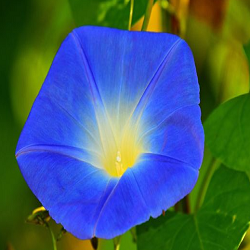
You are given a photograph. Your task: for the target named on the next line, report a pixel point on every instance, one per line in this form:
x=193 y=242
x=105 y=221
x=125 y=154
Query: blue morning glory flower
x=115 y=135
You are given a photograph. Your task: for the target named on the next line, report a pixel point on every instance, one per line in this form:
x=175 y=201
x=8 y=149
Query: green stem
x=131 y=14
x=147 y=15
x=117 y=242
x=133 y=233
x=213 y=164
x=53 y=238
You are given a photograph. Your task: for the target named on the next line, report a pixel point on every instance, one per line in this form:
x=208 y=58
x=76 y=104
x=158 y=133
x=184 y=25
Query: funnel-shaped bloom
x=114 y=135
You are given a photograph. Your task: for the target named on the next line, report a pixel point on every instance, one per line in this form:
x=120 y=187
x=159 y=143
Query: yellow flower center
x=118 y=136
x=122 y=155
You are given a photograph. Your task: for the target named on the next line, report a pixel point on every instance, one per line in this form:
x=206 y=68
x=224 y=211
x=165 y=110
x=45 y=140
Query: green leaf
x=227 y=132
x=220 y=223
x=110 y=13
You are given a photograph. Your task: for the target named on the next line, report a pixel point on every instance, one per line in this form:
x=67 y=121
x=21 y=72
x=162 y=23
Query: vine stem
x=133 y=233
x=131 y=14
x=213 y=164
x=53 y=238
x=147 y=15
x=117 y=242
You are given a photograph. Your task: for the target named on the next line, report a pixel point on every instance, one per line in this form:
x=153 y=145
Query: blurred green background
x=218 y=32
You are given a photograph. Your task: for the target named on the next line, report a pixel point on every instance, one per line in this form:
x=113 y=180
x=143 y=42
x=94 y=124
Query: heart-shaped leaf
x=220 y=223
x=227 y=133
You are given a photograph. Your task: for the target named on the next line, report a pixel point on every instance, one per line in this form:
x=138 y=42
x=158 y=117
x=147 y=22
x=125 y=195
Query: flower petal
x=175 y=86
x=154 y=184
x=123 y=64
x=64 y=110
x=172 y=180
x=179 y=136
x=71 y=190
